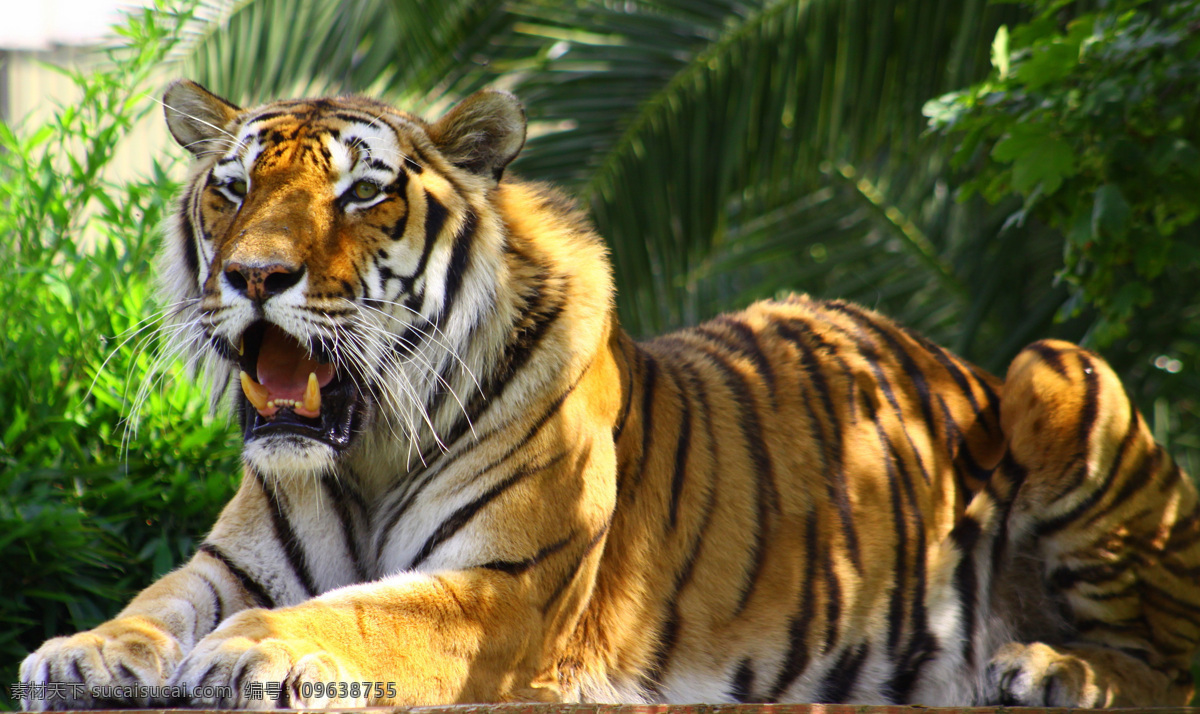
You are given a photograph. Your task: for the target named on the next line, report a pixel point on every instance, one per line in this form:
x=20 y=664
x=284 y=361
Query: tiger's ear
x=483 y=133
x=196 y=117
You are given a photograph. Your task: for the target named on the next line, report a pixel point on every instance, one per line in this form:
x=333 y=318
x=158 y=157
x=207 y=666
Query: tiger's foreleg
x=239 y=566
x=141 y=647
x=1115 y=528
x=453 y=636
x=510 y=557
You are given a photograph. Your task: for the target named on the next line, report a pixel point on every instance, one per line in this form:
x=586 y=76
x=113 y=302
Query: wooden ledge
x=689 y=709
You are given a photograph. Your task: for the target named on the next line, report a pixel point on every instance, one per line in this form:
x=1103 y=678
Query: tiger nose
x=262 y=282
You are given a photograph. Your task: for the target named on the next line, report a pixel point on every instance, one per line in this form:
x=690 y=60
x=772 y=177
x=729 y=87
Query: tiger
x=464 y=482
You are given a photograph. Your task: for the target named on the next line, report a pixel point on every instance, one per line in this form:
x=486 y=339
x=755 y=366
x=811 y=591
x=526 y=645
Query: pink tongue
x=284 y=366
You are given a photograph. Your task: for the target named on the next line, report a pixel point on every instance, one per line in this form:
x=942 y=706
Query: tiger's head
x=339 y=258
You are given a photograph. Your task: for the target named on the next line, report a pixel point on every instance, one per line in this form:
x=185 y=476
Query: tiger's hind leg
x=1107 y=527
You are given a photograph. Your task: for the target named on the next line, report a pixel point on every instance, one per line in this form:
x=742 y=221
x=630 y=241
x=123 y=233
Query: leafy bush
x=1092 y=117
x=92 y=509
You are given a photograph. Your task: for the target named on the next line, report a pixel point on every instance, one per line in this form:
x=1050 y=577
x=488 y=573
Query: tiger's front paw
x=119 y=663
x=1038 y=675
x=254 y=661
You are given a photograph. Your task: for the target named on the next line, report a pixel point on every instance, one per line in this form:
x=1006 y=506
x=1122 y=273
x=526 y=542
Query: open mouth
x=288 y=388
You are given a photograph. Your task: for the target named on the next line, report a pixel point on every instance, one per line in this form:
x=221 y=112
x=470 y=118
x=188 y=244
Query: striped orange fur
x=464 y=483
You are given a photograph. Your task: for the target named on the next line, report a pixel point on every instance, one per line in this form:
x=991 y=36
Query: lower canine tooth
x=312 y=393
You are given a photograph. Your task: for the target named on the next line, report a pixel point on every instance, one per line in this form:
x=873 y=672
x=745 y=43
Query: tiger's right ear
x=196 y=117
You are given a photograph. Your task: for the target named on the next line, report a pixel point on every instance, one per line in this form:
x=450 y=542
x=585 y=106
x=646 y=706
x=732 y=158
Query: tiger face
x=328 y=254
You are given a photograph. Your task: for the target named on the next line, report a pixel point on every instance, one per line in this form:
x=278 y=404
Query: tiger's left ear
x=196 y=117
x=483 y=133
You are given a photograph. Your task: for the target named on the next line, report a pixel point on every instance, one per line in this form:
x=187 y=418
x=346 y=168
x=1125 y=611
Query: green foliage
x=1093 y=119
x=91 y=509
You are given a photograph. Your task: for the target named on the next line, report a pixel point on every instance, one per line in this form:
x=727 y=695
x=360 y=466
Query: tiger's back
x=795 y=470
x=464 y=481
x=833 y=509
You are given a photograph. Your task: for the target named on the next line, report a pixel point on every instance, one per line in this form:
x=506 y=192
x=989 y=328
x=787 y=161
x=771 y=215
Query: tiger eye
x=238 y=187
x=365 y=190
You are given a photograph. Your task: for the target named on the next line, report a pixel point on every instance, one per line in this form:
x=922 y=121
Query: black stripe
x=699 y=389
x=960 y=452
x=397 y=231
x=668 y=636
x=1015 y=474
x=900 y=584
x=1051 y=356
x=741 y=340
x=416 y=483
x=795 y=661
x=670 y=629
x=518 y=352
x=1149 y=464
x=218 y=605
x=743 y=682
x=574 y=572
x=835 y=482
x=363 y=118
x=435 y=220
x=341 y=496
x=840 y=681
x=948 y=363
x=922 y=645
x=378 y=165
x=464 y=514
x=415 y=486
x=458 y=263
x=191 y=251
x=916 y=376
x=626 y=395
x=517 y=567
x=1055 y=524
x=1173 y=604
x=538 y=316
x=649 y=382
x=1065 y=577
x=269 y=114
x=399 y=187
x=833 y=602
x=1091 y=400
x=252 y=587
x=414 y=334
x=682 y=447
x=767 y=494
x=966 y=535
x=286 y=536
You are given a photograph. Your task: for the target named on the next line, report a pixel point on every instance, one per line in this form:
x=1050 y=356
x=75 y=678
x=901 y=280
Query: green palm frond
x=410 y=50
x=676 y=129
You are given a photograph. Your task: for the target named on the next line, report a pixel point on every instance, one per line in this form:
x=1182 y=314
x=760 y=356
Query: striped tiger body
x=464 y=482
